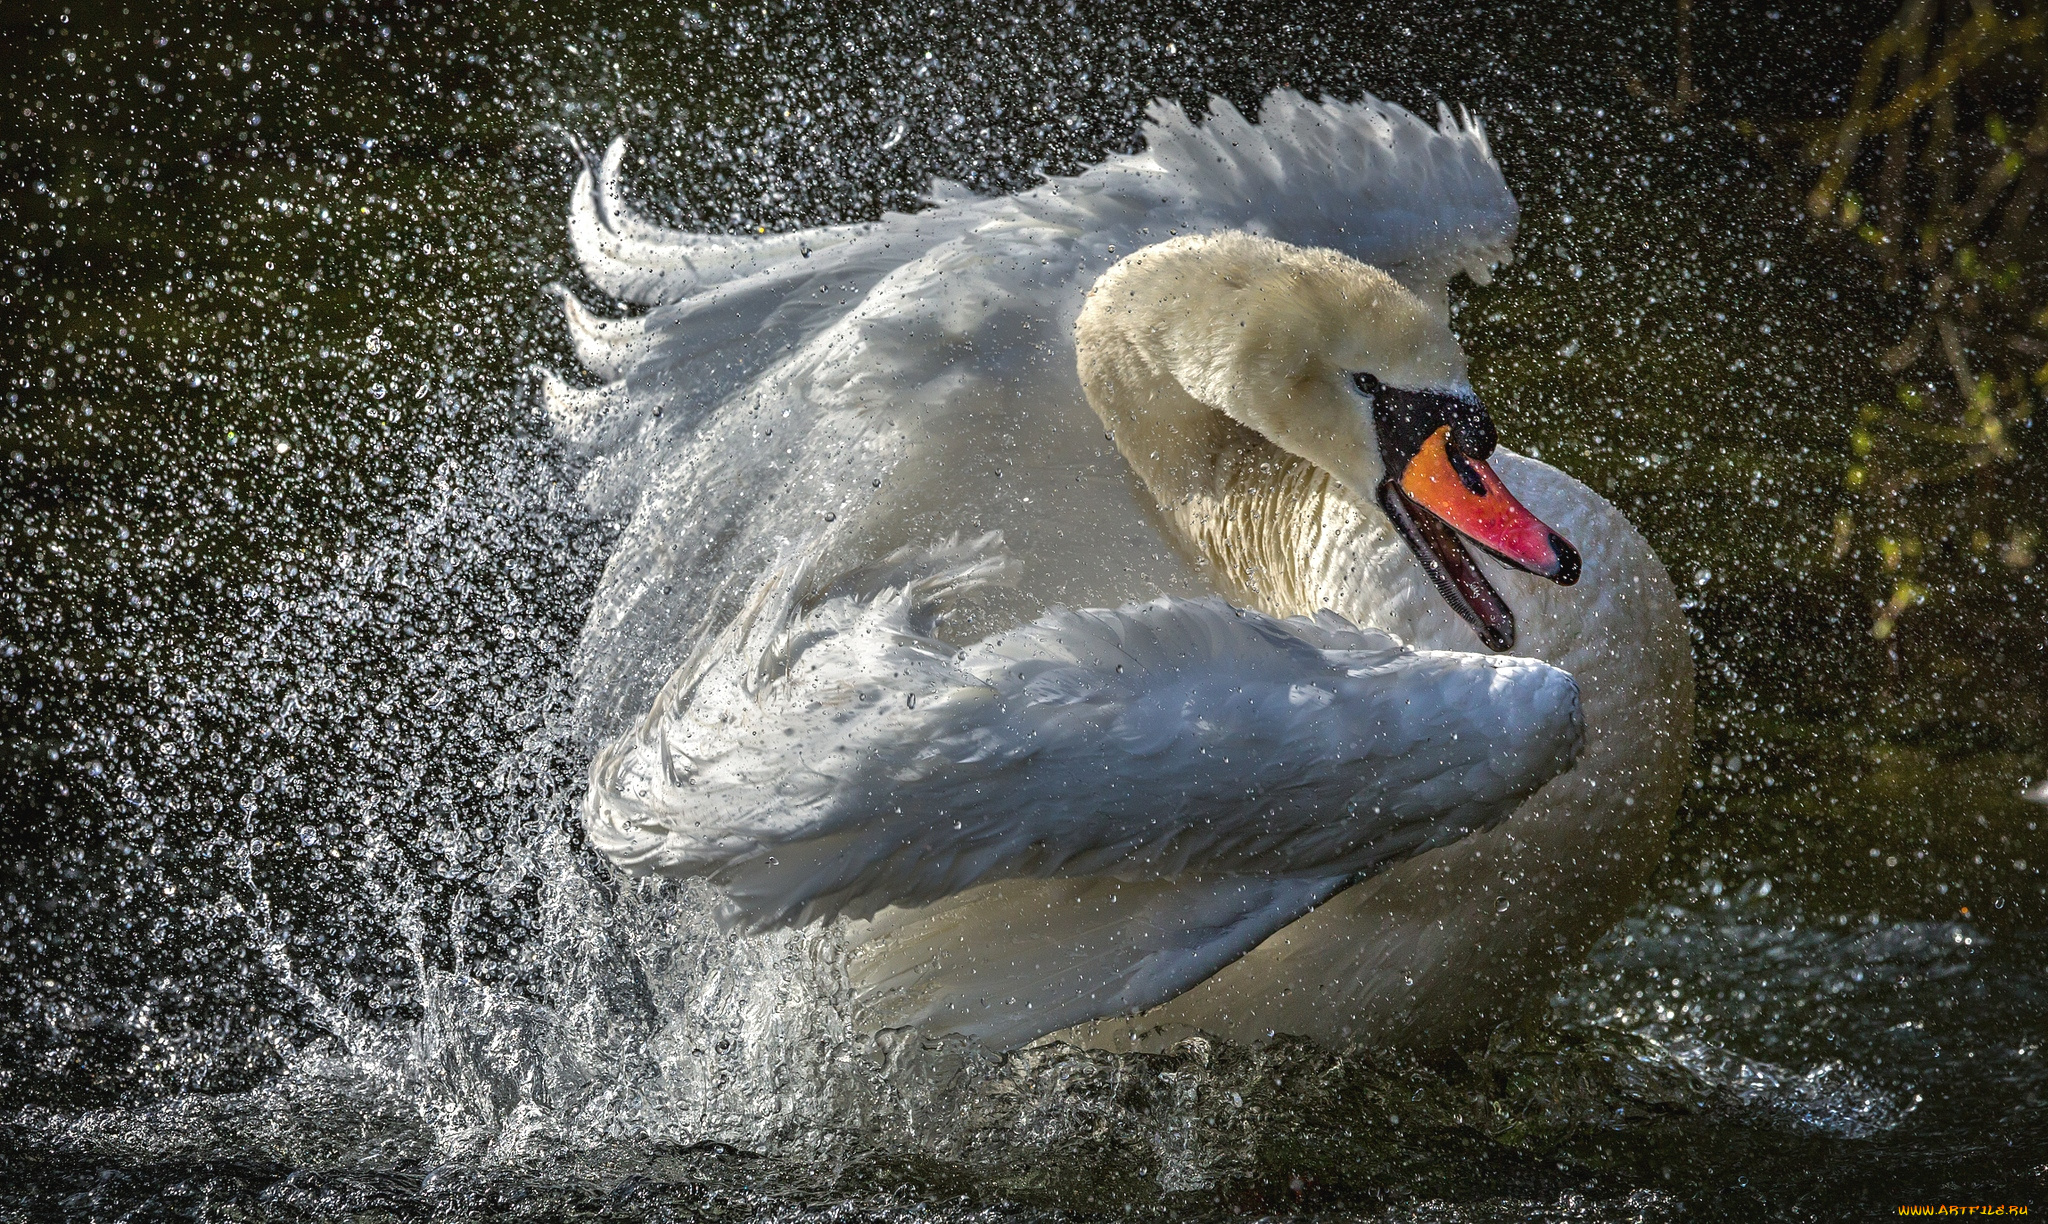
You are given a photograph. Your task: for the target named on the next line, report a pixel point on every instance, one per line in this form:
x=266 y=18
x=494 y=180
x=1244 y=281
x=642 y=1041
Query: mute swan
x=1064 y=594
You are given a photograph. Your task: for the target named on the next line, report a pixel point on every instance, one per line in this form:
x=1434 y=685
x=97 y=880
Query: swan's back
x=859 y=389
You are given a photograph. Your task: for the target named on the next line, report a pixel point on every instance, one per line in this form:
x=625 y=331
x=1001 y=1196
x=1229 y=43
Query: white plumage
x=1026 y=817
x=843 y=760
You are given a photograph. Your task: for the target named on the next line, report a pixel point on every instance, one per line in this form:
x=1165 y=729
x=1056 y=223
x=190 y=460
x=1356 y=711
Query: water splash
x=300 y=923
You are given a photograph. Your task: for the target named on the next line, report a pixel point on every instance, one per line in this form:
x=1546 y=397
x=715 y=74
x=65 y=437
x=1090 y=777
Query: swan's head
x=1329 y=359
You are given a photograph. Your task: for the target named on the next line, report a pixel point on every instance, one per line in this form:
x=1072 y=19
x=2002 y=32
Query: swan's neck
x=1254 y=518
x=1262 y=527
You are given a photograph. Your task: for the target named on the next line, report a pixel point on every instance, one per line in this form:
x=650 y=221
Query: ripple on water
x=1702 y=984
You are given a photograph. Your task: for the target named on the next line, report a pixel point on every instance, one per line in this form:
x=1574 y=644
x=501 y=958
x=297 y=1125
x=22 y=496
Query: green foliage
x=1934 y=174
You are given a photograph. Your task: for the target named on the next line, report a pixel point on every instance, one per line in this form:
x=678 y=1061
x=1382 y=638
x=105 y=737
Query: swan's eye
x=1405 y=418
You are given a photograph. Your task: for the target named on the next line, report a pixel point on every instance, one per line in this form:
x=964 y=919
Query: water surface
x=296 y=916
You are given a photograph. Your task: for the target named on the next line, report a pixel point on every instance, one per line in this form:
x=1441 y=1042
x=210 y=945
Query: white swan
x=865 y=471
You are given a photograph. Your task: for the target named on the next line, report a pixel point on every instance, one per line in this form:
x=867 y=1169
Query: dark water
x=295 y=919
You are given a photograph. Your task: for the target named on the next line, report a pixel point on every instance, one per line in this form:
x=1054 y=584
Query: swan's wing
x=727 y=309
x=784 y=374
x=637 y=261
x=766 y=412
x=1423 y=201
x=1159 y=787
x=1369 y=178
x=1013 y=961
x=844 y=760
x=669 y=365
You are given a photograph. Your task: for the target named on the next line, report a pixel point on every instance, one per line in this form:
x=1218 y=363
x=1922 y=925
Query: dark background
x=292 y=566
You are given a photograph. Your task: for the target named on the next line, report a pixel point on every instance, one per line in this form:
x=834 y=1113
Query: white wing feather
x=1009 y=964
x=636 y=261
x=844 y=760
x=1201 y=775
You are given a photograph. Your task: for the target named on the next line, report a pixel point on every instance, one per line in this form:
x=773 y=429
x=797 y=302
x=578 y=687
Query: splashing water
x=298 y=917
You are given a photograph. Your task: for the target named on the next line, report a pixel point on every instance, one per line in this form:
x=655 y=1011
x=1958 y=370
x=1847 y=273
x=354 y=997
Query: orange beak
x=1468 y=497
